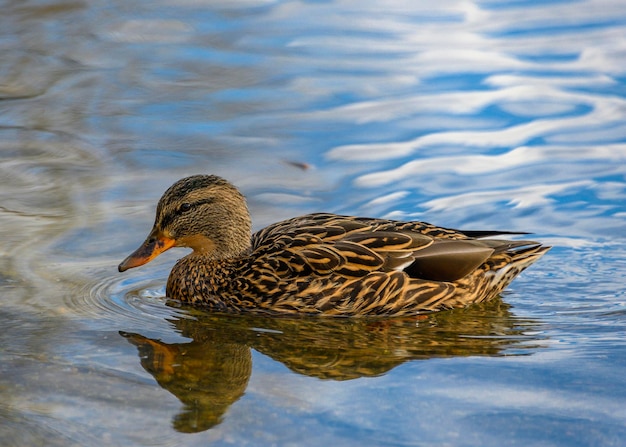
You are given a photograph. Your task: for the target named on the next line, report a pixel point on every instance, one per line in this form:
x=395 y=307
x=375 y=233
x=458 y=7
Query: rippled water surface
x=477 y=115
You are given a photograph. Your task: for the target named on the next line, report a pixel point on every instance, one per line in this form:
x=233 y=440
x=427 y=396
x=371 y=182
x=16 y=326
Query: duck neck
x=226 y=242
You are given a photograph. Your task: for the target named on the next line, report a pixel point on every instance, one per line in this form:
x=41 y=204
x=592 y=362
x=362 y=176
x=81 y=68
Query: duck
x=321 y=264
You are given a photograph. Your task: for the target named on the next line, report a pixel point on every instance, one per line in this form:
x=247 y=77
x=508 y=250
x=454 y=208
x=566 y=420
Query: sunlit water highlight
x=476 y=115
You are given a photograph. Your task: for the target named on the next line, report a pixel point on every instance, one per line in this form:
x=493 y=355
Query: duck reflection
x=207 y=375
x=211 y=372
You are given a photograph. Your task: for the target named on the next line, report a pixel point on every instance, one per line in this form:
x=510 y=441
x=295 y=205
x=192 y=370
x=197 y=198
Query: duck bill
x=154 y=245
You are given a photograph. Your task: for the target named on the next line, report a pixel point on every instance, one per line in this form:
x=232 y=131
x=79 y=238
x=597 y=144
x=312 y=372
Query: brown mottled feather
x=326 y=264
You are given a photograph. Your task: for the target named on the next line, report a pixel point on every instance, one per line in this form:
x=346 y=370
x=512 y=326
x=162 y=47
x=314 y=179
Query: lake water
x=476 y=115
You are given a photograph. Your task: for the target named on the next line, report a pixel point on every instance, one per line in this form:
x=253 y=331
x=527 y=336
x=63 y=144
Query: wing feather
x=324 y=244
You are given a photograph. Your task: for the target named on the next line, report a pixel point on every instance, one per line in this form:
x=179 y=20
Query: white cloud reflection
x=558 y=156
x=464 y=103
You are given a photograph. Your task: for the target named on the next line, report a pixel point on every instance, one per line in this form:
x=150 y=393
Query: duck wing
x=324 y=244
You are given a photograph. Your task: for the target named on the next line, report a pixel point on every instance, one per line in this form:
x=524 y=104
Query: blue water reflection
x=483 y=114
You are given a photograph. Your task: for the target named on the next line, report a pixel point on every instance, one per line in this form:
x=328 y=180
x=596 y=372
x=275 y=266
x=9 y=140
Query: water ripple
x=126 y=300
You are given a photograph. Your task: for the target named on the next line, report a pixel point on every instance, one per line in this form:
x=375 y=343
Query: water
x=465 y=114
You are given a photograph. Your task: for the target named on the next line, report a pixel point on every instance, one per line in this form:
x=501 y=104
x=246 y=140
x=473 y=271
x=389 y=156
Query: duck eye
x=184 y=207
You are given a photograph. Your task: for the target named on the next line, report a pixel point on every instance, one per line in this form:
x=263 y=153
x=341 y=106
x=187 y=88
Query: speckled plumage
x=322 y=264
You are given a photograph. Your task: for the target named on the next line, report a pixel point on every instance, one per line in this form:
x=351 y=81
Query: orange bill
x=156 y=244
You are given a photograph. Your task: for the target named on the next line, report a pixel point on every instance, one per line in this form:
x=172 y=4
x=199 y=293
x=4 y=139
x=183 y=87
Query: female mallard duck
x=321 y=264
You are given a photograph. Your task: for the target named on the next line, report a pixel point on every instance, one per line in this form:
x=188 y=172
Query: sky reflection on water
x=466 y=114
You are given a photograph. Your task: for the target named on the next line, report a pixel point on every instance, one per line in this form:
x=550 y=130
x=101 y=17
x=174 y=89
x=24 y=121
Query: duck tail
x=508 y=260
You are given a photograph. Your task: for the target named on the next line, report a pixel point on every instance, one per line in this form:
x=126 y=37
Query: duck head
x=203 y=212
